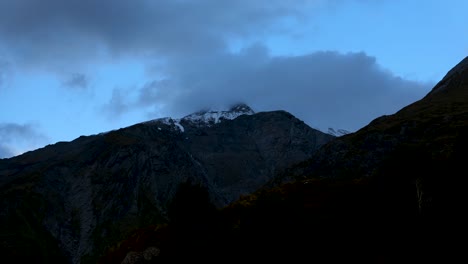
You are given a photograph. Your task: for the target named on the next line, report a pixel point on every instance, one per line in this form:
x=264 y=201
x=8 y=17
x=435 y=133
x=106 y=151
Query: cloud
x=17 y=138
x=117 y=105
x=76 y=81
x=52 y=33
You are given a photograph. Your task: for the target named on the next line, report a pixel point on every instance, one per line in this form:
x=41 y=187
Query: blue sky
x=71 y=68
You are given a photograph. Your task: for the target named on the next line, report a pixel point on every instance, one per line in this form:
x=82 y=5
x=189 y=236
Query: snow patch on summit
x=337 y=132
x=211 y=117
x=206 y=117
x=179 y=126
x=172 y=122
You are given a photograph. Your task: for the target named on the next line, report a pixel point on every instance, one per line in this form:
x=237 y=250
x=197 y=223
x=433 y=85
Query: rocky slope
x=84 y=195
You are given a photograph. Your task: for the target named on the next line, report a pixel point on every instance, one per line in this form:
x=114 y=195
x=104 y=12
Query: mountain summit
x=205 y=117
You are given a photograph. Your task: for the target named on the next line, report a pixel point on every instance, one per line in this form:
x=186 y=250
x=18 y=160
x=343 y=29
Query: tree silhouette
x=193 y=220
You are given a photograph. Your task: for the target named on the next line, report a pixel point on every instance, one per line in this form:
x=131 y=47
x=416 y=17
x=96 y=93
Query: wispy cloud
x=76 y=81
x=117 y=105
x=17 y=138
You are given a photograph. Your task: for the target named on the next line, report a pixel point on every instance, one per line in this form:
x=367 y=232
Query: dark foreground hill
x=392 y=192
x=71 y=200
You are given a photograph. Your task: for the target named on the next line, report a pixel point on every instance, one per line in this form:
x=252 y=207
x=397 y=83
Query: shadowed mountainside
x=85 y=195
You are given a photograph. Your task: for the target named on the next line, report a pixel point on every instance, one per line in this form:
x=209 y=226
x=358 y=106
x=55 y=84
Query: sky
x=81 y=67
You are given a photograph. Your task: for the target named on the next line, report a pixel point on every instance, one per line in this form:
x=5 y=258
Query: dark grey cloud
x=56 y=32
x=118 y=104
x=17 y=138
x=76 y=81
x=325 y=89
x=159 y=93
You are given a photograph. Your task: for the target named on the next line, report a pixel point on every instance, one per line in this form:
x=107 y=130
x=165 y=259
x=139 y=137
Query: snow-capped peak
x=205 y=117
x=337 y=132
x=210 y=117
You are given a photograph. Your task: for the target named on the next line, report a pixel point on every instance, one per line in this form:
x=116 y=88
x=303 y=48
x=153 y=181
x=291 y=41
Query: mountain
x=257 y=184
x=71 y=200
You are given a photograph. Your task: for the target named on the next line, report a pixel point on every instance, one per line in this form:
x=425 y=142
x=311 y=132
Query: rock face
x=83 y=195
